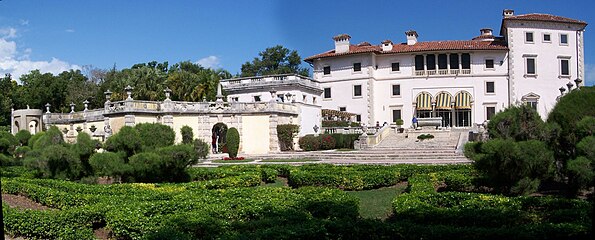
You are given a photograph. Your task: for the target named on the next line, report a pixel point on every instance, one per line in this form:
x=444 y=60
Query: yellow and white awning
x=463 y=100
x=424 y=101
x=443 y=100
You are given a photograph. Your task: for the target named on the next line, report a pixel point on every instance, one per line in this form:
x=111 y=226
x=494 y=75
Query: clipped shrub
x=23 y=137
x=309 y=143
x=84 y=148
x=580 y=174
x=174 y=161
x=7 y=143
x=34 y=138
x=471 y=149
x=127 y=140
x=327 y=142
x=109 y=164
x=425 y=136
x=52 y=136
x=517 y=122
x=525 y=186
x=233 y=142
x=155 y=135
x=285 y=134
x=586 y=147
x=21 y=151
x=187 y=135
x=146 y=166
x=201 y=148
x=57 y=161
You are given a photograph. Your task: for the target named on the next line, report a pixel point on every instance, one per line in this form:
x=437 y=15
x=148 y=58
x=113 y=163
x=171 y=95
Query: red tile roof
x=544 y=17
x=418 y=47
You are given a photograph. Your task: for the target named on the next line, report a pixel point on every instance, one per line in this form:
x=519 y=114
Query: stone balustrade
x=240 y=83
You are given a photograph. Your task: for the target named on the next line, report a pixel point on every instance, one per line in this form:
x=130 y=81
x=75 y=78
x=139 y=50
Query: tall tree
x=274 y=60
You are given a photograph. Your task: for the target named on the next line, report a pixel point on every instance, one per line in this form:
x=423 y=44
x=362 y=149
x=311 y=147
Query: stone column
x=273 y=140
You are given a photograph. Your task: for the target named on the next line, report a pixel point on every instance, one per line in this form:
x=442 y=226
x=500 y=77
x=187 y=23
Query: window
x=564 y=69
x=442 y=62
x=466 y=61
x=357 y=67
x=564 y=39
x=419 y=62
x=490 y=88
x=396 y=90
x=454 y=61
x=529 y=37
x=257 y=98
x=532 y=104
x=531 y=66
x=396 y=114
x=490 y=112
x=547 y=37
x=430 y=62
x=357 y=90
x=327 y=70
x=327 y=92
x=489 y=63
x=358 y=118
x=342 y=109
x=395 y=67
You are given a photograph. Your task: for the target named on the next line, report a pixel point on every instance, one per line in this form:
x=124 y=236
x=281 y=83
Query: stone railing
x=342 y=130
x=370 y=139
x=88 y=116
x=235 y=83
x=441 y=72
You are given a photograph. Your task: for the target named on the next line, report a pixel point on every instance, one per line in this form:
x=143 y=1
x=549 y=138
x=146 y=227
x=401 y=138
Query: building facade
x=536 y=58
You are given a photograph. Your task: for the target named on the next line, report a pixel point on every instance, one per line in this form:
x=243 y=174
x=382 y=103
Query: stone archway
x=33 y=127
x=218 y=139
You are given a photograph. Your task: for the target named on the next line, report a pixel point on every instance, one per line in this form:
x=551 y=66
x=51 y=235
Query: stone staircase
x=396 y=148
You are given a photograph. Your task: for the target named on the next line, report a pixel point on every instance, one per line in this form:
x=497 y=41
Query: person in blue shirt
x=414 y=121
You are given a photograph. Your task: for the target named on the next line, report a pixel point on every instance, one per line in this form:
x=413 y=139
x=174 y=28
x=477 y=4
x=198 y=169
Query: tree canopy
x=274 y=60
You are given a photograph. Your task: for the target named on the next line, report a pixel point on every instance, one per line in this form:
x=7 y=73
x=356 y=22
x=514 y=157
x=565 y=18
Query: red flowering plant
x=235 y=158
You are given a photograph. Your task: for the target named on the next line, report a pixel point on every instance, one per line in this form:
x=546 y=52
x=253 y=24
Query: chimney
x=507 y=13
x=387 y=45
x=411 y=37
x=486 y=32
x=342 y=43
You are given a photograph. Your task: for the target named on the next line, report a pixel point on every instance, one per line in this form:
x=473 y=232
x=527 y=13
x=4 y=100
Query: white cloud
x=210 y=62
x=18 y=63
x=8 y=33
x=70 y=30
x=589 y=74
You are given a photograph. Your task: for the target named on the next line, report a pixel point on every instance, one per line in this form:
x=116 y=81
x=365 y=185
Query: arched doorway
x=17 y=127
x=463 y=109
x=218 y=138
x=423 y=105
x=444 y=108
x=33 y=127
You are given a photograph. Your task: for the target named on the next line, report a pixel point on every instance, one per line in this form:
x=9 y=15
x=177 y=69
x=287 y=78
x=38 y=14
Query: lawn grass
x=233 y=161
x=376 y=203
x=289 y=160
x=280 y=182
x=344 y=149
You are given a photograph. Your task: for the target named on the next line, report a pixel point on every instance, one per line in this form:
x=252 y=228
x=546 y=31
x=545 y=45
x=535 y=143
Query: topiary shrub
x=327 y=142
x=145 y=167
x=155 y=135
x=57 y=161
x=84 y=148
x=7 y=143
x=517 y=122
x=127 y=140
x=187 y=135
x=233 y=142
x=34 y=139
x=285 y=134
x=23 y=137
x=425 y=136
x=309 y=143
x=108 y=164
x=580 y=174
x=201 y=148
x=52 y=136
x=174 y=161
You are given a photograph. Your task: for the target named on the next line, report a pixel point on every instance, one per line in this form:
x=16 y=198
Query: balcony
x=271 y=80
x=441 y=72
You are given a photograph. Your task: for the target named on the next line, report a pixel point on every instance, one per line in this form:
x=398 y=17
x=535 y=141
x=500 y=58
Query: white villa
x=537 y=58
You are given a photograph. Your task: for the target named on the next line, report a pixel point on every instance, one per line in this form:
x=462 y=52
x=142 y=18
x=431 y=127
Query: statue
x=107 y=130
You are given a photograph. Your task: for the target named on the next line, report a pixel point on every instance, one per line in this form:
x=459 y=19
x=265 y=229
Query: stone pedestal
x=273 y=140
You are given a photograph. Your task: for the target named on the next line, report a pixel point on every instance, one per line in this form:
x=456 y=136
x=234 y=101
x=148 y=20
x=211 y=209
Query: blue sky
x=58 y=35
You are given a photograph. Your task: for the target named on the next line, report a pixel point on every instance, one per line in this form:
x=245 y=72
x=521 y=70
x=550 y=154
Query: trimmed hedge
x=233 y=142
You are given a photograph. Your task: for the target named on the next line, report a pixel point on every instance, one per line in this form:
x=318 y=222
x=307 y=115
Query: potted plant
x=399 y=123
x=79 y=129
x=93 y=128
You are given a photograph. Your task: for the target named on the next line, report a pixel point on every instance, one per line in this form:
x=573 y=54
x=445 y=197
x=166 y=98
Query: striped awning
x=424 y=101
x=463 y=100
x=443 y=100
